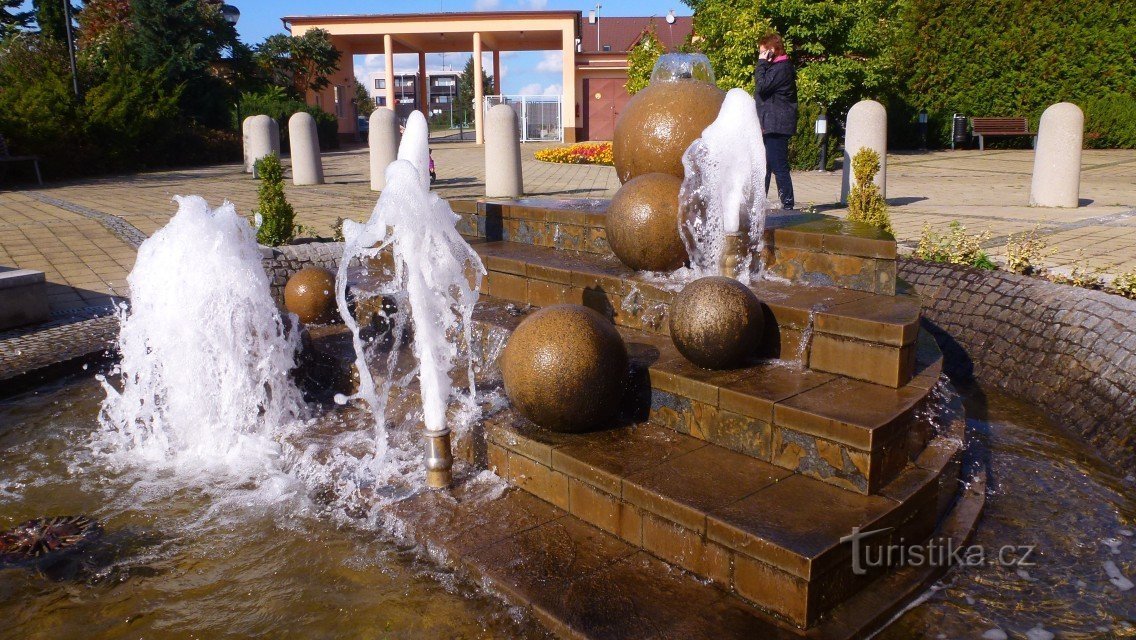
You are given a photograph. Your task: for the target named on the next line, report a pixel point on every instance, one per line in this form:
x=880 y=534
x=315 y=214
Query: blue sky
x=524 y=72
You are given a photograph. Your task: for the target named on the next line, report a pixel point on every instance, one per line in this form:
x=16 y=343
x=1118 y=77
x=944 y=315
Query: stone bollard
x=383 y=143
x=307 y=167
x=1057 y=157
x=503 y=153
x=867 y=127
x=262 y=137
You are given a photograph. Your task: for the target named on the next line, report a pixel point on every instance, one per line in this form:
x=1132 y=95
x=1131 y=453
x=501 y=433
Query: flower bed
x=578 y=153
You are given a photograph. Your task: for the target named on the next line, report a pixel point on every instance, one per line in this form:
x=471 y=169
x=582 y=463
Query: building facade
x=440 y=95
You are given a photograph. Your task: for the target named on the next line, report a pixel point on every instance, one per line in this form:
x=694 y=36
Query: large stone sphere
x=716 y=322
x=642 y=223
x=565 y=368
x=310 y=294
x=659 y=123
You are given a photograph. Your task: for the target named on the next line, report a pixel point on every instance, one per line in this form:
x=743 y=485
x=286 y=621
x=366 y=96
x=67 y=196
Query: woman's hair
x=772 y=41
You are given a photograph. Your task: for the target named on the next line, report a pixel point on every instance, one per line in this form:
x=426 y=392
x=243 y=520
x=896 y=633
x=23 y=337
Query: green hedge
x=274 y=103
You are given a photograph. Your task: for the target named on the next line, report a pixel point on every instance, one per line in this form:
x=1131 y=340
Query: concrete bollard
x=383 y=143
x=1057 y=157
x=307 y=167
x=262 y=137
x=867 y=127
x=503 y=153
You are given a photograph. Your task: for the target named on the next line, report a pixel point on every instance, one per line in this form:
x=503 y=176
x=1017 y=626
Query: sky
x=530 y=73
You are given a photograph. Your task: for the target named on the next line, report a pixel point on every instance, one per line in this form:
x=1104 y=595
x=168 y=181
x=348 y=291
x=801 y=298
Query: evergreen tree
x=51 y=20
x=464 y=109
x=11 y=18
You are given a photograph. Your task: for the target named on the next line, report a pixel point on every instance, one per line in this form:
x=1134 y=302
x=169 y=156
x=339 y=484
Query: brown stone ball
x=565 y=368
x=716 y=322
x=642 y=223
x=659 y=123
x=310 y=294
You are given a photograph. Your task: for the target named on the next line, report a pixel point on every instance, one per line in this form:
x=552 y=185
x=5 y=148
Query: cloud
x=486 y=5
x=535 y=5
x=551 y=62
x=537 y=89
x=408 y=63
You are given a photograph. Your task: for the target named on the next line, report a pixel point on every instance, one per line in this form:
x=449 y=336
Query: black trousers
x=777 y=164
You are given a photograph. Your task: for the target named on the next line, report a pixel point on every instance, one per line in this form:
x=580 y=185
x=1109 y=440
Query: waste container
x=959 y=134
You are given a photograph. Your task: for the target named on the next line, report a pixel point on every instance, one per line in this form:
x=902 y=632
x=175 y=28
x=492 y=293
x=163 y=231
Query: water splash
x=438 y=270
x=206 y=357
x=722 y=192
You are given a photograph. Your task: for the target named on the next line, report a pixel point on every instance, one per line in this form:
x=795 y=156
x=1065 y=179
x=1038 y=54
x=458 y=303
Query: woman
x=775 y=90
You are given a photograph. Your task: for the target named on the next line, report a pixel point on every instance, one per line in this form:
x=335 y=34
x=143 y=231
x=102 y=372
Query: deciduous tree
x=641 y=60
x=301 y=63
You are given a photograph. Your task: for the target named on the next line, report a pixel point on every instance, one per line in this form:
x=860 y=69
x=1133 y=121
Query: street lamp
x=922 y=129
x=822 y=139
x=230 y=13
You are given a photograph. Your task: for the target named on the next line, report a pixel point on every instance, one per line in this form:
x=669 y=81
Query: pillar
x=502 y=153
x=568 y=82
x=867 y=127
x=383 y=144
x=388 y=72
x=497 y=73
x=478 y=92
x=307 y=166
x=1057 y=157
x=423 y=86
x=262 y=138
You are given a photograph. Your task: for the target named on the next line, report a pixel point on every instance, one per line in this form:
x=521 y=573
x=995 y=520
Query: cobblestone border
x=121 y=229
x=61 y=340
x=1068 y=350
x=281 y=262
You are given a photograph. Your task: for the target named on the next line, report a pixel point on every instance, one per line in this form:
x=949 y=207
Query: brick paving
x=83 y=234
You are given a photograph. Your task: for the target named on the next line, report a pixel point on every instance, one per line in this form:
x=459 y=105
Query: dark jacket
x=775 y=90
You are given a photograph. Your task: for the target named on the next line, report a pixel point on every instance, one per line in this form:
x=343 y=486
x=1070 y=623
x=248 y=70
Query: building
x=441 y=92
x=593 y=50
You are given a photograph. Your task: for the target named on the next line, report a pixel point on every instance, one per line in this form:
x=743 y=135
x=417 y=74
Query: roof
x=443 y=15
x=622 y=33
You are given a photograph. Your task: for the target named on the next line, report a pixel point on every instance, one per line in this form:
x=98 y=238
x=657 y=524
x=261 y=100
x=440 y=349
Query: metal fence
x=539 y=116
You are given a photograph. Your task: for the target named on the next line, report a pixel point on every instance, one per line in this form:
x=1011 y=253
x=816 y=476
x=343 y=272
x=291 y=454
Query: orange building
x=593 y=53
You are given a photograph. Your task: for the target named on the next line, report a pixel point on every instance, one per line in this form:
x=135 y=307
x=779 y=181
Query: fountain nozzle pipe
x=439 y=459
x=734 y=247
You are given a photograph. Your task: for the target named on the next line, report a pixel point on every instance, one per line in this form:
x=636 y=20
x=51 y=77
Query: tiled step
x=770 y=535
x=801 y=247
x=851 y=434
x=870 y=337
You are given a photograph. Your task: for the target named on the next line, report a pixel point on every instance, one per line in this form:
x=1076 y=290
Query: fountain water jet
x=205 y=354
x=722 y=199
x=441 y=276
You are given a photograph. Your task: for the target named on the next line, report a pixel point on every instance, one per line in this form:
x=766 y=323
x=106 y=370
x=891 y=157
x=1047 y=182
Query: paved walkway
x=84 y=234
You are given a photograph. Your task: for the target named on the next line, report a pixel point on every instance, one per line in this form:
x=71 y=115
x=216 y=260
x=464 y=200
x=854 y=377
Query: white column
x=388 y=58
x=478 y=93
x=502 y=154
x=568 y=106
x=1057 y=158
x=307 y=166
x=867 y=127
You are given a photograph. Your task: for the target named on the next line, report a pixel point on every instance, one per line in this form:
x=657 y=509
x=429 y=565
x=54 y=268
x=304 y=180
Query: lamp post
x=70 y=45
x=922 y=129
x=822 y=139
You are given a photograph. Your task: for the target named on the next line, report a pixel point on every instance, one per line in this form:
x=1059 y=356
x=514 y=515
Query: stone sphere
x=659 y=123
x=310 y=294
x=716 y=322
x=565 y=368
x=642 y=223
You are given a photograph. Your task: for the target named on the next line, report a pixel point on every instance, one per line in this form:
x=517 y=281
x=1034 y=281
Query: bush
x=956 y=247
x=1110 y=121
x=278 y=105
x=804 y=148
x=1025 y=251
x=275 y=218
x=865 y=202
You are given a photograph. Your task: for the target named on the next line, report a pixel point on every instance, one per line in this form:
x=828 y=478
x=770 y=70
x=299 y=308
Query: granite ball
x=716 y=322
x=565 y=368
x=642 y=223
x=659 y=123
x=310 y=294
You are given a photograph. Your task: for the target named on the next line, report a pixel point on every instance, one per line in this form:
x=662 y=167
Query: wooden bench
x=5 y=156
x=983 y=127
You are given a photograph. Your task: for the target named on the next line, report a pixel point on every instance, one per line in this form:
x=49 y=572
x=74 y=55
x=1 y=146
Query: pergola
x=424 y=33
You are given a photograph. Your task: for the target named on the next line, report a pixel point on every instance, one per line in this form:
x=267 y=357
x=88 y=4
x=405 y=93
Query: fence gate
x=539 y=116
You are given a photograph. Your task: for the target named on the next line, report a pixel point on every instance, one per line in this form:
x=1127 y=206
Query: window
x=380 y=83
x=607 y=47
x=444 y=82
x=442 y=99
x=381 y=101
x=338 y=101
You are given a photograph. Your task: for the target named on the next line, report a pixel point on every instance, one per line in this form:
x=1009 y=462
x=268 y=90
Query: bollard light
x=822 y=139
x=922 y=129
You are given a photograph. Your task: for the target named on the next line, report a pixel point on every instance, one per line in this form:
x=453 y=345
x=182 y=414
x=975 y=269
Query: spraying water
x=723 y=192
x=438 y=270
x=205 y=355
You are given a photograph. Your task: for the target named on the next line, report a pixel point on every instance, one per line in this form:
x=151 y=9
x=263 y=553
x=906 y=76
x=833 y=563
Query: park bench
x=983 y=127
x=5 y=156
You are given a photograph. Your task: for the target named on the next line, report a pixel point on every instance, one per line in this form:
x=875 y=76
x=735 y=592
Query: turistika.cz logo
x=868 y=553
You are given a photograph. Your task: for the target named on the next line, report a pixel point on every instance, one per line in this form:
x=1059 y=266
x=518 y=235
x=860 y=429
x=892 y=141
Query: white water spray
x=205 y=356
x=438 y=270
x=723 y=191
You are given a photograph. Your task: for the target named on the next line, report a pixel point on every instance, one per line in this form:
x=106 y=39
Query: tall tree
x=301 y=63
x=641 y=60
x=727 y=31
x=464 y=109
x=363 y=102
x=51 y=19
x=11 y=18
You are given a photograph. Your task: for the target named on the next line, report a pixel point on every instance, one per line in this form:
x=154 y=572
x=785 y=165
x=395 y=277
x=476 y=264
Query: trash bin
x=959 y=134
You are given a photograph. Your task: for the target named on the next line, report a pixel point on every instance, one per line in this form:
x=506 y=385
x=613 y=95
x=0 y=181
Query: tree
x=727 y=31
x=51 y=20
x=641 y=60
x=464 y=109
x=11 y=18
x=364 y=105
x=301 y=63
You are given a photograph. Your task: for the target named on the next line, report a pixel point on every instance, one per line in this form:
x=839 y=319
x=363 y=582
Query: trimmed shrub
x=865 y=202
x=1110 y=121
x=275 y=218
